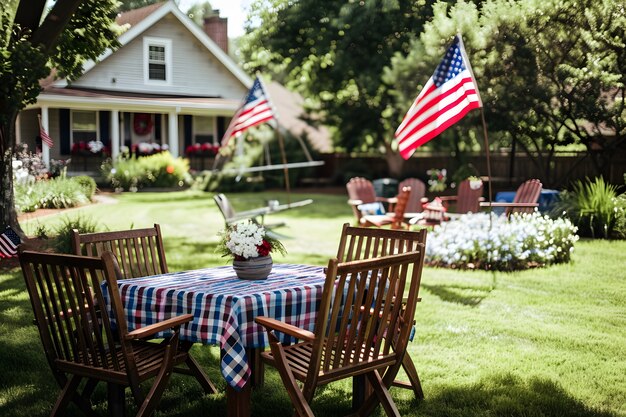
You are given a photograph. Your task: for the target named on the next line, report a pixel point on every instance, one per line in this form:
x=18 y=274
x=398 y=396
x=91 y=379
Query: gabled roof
x=142 y=19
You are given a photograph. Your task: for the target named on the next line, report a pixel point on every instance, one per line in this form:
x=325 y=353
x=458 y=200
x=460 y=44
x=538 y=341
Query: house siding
x=206 y=77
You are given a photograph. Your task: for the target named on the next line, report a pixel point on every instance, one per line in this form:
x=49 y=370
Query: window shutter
x=105 y=129
x=187 y=125
x=64 y=130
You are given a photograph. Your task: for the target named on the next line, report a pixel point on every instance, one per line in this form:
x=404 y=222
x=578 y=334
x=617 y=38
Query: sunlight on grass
x=542 y=342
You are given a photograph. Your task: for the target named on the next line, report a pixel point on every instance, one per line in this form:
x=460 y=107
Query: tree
x=334 y=53
x=70 y=33
x=126 y=5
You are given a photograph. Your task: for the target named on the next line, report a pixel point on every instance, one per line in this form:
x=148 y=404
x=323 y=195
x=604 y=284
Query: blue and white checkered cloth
x=224 y=307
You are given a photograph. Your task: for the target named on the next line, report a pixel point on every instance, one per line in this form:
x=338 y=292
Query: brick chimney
x=217 y=29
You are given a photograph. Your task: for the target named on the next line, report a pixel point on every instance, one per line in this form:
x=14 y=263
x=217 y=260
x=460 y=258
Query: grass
x=543 y=342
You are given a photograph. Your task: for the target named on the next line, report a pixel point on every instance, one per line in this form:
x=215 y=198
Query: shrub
x=55 y=194
x=163 y=170
x=523 y=241
x=63 y=233
x=592 y=206
x=88 y=185
x=158 y=170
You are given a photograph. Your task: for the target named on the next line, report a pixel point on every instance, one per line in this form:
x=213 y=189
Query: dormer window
x=157 y=60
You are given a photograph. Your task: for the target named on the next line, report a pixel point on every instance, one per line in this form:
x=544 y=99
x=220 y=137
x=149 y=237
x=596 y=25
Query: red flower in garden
x=170 y=169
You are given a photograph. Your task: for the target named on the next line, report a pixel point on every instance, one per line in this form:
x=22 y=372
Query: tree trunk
x=395 y=162
x=8 y=215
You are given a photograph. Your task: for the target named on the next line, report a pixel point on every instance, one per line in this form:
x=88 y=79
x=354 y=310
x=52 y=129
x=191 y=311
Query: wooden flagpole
x=281 y=143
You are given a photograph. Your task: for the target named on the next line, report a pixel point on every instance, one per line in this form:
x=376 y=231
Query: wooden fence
x=507 y=172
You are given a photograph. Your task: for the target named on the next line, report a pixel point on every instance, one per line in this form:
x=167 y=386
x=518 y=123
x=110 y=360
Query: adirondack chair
x=361 y=191
x=418 y=193
x=358 y=243
x=526 y=199
x=361 y=330
x=467 y=199
x=395 y=219
x=139 y=253
x=65 y=293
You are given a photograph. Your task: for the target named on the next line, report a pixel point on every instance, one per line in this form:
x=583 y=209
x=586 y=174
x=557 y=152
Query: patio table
x=224 y=308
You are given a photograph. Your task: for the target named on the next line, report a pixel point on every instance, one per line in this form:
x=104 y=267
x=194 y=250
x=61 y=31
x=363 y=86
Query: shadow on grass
x=506 y=395
x=459 y=294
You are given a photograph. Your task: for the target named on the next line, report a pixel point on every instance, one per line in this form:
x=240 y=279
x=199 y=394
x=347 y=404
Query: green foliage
x=550 y=73
x=56 y=193
x=126 y=5
x=594 y=207
x=158 y=170
x=88 y=185
x=334 y=56
x=63 y=232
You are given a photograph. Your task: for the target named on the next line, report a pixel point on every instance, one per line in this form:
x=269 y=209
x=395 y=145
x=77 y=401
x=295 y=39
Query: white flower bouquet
x=246 y=239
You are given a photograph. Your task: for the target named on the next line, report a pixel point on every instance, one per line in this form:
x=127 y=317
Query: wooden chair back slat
x=363 y=307
x=528 y=192
x=61 y=289
x=468 y=198
x=79 y=341
x=139 y=252
x=358 y=243
x=418 y=191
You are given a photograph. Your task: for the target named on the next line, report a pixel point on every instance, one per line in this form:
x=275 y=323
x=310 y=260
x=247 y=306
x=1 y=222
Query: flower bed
x=524 y=241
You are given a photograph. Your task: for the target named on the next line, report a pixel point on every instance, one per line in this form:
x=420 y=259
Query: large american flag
x=255 y=110
x=447 y=96
x=8 y=243
x=45 y=138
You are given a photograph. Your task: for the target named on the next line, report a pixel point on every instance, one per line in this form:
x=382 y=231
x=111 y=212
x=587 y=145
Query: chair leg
x=200 y=375
x=158 y=386
x=414 y=379
x=297 y=398
x=67 y=393
x=381 y=391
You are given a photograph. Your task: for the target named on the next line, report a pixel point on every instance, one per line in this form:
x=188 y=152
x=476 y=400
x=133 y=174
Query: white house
x=169 y=84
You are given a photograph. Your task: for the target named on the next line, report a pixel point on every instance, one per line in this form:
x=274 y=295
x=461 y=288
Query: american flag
x=45 y=138
x=8 y=243
x=447 y=96
x=255 y=110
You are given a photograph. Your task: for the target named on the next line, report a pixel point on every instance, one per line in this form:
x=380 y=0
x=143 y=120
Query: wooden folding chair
x=139 y=253
x=81 y=345
x=357 y=243
x=362 y=330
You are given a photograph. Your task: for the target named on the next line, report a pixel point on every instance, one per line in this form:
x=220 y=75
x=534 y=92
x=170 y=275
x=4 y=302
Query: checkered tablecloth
x=224 y=307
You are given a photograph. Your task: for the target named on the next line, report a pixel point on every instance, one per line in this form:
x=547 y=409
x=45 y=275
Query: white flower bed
x=523 y=241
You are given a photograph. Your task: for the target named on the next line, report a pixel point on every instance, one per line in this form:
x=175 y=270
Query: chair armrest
x=152 y=329
x=449 y=198
x=355 y=202
x=279 y=326
x=499 y=204
x=389 y=200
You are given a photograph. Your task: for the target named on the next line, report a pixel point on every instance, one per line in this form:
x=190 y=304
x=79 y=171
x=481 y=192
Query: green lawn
x=544 y=342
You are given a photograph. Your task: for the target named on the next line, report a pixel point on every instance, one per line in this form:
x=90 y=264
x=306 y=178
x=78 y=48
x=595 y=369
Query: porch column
x=45 y=151
x=18 y=130
x=172 y=132
x=115 y=133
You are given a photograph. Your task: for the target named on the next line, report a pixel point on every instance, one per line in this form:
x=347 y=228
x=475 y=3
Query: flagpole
x=281 y=143
x=486 y=139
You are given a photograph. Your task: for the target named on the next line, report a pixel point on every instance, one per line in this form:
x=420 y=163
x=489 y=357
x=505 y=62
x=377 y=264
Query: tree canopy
x=33 y=41
x=551 y=73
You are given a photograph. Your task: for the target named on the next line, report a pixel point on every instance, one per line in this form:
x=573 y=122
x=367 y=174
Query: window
x=203 y=129
x=157 y=60
x=156 y=63
x=84 y=126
